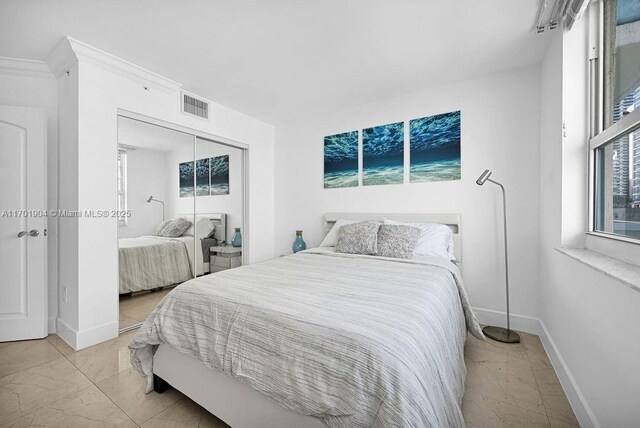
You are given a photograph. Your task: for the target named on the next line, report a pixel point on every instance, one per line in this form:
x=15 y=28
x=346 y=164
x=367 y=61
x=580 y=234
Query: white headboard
x=218 y=219
x=451 y=220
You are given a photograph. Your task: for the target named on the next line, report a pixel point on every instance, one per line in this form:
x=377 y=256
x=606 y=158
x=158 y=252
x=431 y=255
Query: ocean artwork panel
x=435 y=148
x=219 y=167
x=383 y=154
x=341 y=160
x=202 y=177
x=185 y=174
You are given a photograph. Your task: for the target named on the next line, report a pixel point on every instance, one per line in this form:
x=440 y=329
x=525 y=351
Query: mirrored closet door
x=219 y=204
x=152 y=251
x=182 y=198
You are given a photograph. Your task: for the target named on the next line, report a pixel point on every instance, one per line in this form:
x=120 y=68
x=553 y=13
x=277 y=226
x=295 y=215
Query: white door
x=23 y=242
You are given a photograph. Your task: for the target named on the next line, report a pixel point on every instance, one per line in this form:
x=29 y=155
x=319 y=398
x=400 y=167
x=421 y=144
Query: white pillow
x=161 y=226
x=332 y=237
x=175 y=228
x=435 y=239
x=204 y=227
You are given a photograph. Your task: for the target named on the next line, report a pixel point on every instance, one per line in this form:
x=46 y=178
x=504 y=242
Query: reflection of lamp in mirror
x=151 y=198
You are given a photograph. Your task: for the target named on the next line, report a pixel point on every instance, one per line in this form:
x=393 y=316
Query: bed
x=151 y=262
x=317 y=339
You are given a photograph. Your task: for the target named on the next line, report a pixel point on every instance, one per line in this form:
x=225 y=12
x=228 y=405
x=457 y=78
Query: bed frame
x=237 y=404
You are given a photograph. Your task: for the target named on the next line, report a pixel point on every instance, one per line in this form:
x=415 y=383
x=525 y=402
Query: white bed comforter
x=358 y=341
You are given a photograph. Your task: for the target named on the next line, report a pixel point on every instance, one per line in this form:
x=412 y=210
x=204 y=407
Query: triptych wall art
x=383 y=154
x=202 y=177
x=435 y=147
x=434 y=153
x=210 y=176
x=219 y=183
x=341 y=160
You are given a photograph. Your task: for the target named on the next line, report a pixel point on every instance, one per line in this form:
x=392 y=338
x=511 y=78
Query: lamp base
x=501 y=334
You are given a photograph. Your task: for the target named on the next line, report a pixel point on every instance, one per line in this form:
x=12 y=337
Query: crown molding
x=24 y=67
x=61 y=58
x=70 y=51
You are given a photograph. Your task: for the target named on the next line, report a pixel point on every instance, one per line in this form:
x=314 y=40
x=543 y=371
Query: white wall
x=593 y=319
x=68 y=251
x=145 y=177
x=500 y=131
x=29 y=91
x=100 y=93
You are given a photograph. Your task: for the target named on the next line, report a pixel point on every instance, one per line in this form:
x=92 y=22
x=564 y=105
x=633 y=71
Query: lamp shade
x=483 y=177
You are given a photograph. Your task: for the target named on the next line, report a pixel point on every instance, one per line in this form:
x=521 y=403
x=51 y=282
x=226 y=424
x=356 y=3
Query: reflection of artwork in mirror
x=186 y=179
x=220 y=175
x=202 y=177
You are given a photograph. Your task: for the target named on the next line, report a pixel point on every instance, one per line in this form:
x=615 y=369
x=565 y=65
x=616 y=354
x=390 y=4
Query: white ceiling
x=279 y=59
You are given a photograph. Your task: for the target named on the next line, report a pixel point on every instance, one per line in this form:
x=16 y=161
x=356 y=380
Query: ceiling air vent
x=195 y=106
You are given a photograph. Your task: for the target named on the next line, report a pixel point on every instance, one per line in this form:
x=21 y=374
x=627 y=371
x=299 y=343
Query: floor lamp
x=151 y=198
x=501 y=334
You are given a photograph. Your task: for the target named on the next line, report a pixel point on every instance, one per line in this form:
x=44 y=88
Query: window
x=122 y=187
x=616 y=149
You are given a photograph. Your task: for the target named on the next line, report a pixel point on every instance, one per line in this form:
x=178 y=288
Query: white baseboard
x=95 y=335
x=518 y=322
x=84 y=338
x=580 y=406
x=535 y=326
x=66 y=332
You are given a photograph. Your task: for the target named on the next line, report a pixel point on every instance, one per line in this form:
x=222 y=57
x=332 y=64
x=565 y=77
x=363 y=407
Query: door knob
x=32 y=232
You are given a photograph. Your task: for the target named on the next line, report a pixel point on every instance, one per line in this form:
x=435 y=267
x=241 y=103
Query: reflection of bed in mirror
x=152 y=262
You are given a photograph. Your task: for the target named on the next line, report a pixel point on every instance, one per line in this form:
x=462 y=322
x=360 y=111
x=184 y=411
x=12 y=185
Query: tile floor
x=513 y=385
x=136 y=308
x=46 y=383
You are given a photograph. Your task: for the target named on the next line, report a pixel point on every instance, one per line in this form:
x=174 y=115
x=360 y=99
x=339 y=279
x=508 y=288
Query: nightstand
x=225 y=252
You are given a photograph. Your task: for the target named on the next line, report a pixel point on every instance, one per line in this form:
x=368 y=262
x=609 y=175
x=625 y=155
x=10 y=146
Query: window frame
x=122 y=171
x=598 y=135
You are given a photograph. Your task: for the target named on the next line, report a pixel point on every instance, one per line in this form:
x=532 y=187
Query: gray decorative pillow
x=175 y=228
x=397 y=241
x=161 y=226
x=358 y=238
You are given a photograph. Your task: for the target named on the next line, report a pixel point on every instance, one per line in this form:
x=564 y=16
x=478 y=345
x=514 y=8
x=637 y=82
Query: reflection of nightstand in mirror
x=229 y=253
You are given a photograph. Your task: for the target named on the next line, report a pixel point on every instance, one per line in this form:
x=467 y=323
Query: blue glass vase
x=237 y=238
x=298 y=244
